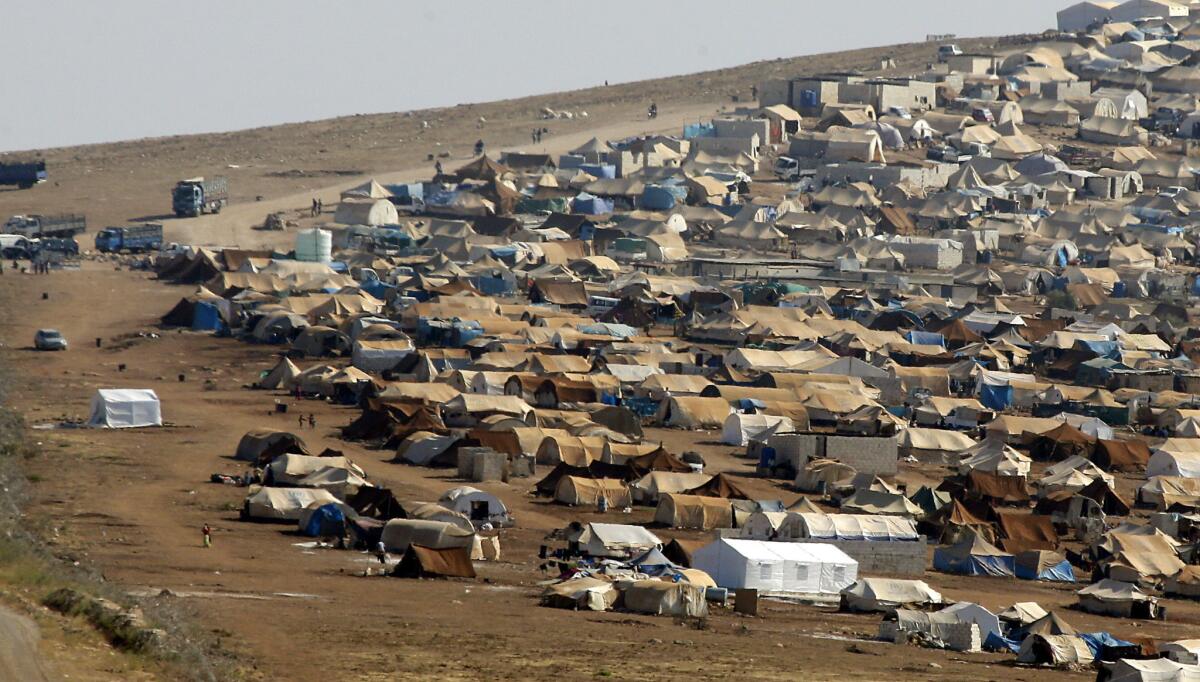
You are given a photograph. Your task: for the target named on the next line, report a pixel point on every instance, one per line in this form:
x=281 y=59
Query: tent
x=974 y=556
x=1039 y=564
x=879 y=502
x=399 y=534
x=789 y=567
x=1055 y=650
x=479 y=506
x=283 y=504
x=263 y=445
x=739 y=429
x=125 y=408
x=693 y=511
x=615 y=540
x=427 y=562
x=1150 y=670
x=281 y=375
x=649 y=488
x=581 y=592
x=587 y=492
x=883 y=594
x=968 y=612
x=1164 y=463
x=324 y=520
x=1116 y=598
x=837 y=527
x=662 y=598
x=692 y=412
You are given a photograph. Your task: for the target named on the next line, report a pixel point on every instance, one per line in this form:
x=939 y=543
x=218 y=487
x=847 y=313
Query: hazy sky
x=82 y=71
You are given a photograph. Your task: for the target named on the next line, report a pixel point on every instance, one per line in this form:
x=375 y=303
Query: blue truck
x=23 y=175
x=134 y=239
x=197 y=196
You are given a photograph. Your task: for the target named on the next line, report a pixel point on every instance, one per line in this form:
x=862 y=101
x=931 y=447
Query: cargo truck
x=23 y=175
x=38 y=226
x=134 y=239
x=197 y=196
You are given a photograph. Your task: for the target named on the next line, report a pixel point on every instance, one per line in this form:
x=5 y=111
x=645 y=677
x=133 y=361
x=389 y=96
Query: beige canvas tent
x=588 y=492
x=693 y=511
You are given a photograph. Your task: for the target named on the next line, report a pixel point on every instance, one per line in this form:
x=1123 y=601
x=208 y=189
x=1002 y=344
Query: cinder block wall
x=905 y=559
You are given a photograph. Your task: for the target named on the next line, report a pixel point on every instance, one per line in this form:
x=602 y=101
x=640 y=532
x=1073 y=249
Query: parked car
x=49 y=339
x=982 y=115
x=946 y=51
x=899 y=112
x=946 y=154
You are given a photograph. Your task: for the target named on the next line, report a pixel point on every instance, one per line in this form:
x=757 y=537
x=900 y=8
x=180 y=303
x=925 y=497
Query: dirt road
x=233 y=226
x=19 y=655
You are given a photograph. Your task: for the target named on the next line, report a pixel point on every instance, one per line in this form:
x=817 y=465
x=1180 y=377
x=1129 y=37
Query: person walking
x=312 y=212
x=312 y=421
x=207 y=533
x=320 y=207
x=301 y=422
x=381 y=552
x=437 y=167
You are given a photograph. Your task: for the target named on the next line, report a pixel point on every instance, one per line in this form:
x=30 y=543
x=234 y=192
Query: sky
x=76 y=71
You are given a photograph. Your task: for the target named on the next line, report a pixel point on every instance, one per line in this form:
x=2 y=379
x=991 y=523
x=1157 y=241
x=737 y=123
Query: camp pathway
x=19 y=655
x=234 y=225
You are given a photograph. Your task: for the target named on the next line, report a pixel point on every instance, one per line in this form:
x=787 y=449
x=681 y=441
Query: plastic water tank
x=314 y=246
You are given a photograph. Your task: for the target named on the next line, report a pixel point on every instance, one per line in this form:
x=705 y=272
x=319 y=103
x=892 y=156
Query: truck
x=23 y=175
x=196 y=196
x=66 y=225
x=134 y=239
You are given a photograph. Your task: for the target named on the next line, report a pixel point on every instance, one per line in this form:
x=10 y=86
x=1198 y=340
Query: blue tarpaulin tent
x=660 y=198
x=591 y=205
x=206 y=316
x=995 y=397
x=926 y=338
x=694 y=130
x=974 y=556
x=600 y=170
x=1037 y=564
x=327 y=520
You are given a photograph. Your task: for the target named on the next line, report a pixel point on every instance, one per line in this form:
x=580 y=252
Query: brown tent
x=659 y=460
x=424 y=562
x=1024 y=532
x=482 y=168
x=957 y=334
x=997 y=489
x=680 y=551
x=1121 y=455
x=1049 y=624
x=264 y=445
x=720 y=486
x=1059 y=443
x=956 y=520
x=564 y=294
x=1111 y=502
x=378 y=503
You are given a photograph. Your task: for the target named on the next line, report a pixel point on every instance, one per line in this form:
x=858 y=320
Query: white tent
x=125 y=408
x=616 y=539
x=1163 y=463
x=882 y=594
x=795 y=567
x=284 y=504
x=740 y=429
x=479 y=506
x=968 y=612
x=1152 y=670
x=398 y=534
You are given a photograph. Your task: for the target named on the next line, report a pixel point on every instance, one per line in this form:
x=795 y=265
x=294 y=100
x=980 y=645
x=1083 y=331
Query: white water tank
x=314 y=246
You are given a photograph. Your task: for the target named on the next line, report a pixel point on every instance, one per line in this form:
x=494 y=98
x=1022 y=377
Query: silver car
x=49 y=339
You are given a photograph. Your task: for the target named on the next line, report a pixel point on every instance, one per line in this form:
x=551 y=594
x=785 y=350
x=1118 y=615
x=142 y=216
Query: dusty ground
x=131 y=503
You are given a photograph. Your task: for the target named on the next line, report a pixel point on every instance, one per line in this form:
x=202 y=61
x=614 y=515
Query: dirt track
x=19 y=655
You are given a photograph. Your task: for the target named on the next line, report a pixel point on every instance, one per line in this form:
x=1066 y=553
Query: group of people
x=312 y=421
x=317 y=207
x=537 y=134
x=40 y=266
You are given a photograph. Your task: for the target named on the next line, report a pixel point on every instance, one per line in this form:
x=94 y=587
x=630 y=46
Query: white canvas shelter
x=788 y=567
x=284 y=504
x=1152 y=670
x=882 y=594
x=1184 y=464
x=969 y=612
x=616 y=539
x=398 y=534
x=476 y=504
x=801 y=525
x=740 y=429
x=125 y=408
